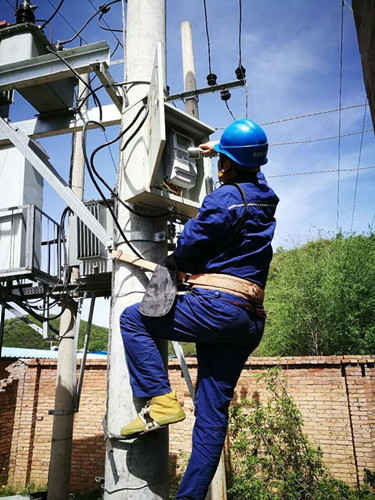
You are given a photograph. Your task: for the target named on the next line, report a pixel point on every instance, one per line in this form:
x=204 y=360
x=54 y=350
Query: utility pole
x=62 y=432
x=364 y=16
x=191 y=105
x=217 y=490
x=135 y=469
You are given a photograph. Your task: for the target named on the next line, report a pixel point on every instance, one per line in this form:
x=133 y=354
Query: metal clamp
x=141 y=236
x=61 y=413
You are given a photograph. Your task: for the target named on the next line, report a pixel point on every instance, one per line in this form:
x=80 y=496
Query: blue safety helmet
x=244 y=142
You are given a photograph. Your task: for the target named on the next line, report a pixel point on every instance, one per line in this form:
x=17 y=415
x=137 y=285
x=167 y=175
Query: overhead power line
x=312 y=114
x=306 y=141
x=10 y=5
x=305 y=116
x=67 y=22
x=319 y=172
x=340 y=105
x=359 y=162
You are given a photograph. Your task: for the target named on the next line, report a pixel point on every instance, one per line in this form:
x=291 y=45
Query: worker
x=227 y=249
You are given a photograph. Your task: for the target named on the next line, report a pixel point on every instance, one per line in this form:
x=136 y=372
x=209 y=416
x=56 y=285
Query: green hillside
x=320 y=300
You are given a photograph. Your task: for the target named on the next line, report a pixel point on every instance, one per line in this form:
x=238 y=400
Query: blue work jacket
x=211 y=243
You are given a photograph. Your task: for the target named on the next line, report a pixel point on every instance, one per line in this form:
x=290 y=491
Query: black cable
x=105 y=22
x=102 y=8
x=94 y=96
x=115 y=49
x=113 y=193
x=36 y=315
x=89 y=169
x=240 y=35
x=135 y=132
x=230 y=111
x=66 y=21
x=121 y=84
x=208 y=36
x=67 y=270
x=112 y=30
x=53 y=15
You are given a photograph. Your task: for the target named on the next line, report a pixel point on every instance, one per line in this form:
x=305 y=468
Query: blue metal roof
x=20 y=352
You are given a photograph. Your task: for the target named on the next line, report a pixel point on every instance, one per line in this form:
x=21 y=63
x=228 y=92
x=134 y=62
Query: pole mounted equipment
x=25 y=12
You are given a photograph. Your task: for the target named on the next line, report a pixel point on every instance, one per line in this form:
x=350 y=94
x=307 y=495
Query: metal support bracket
x=106 y=79
x=33 y=154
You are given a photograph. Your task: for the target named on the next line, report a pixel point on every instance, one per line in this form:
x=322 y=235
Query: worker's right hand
x=208 y=148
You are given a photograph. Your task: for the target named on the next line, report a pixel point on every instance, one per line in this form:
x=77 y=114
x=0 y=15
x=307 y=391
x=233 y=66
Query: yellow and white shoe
x=157 y=413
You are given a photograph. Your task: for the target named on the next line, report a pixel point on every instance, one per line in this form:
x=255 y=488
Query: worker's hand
x=208 y=148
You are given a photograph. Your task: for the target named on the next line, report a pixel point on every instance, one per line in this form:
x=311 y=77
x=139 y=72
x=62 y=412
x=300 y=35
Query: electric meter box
x=163 y=176
x=23 y=42
x=180 y=170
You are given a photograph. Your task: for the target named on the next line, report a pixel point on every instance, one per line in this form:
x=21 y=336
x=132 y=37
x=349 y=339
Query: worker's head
x=243 y=149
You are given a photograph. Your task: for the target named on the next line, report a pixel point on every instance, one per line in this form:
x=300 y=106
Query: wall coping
x=251 y=362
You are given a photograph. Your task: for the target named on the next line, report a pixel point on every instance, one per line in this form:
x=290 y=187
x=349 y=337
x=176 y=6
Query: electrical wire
x=359 y=162
x=94 y=96
x=112 y=30
x=340 y=105
x=113 y=193
x=110 y=151
x=135 y=131
x=208 y=36
x=230 y=111
x=307 y=141
x=121 y=84
x=105 y=22
x=102 y=8
x=10 y=5
x=90 y=168
x=66 y=21
x=291 y=174
x=346 y=3
x=312 y=114
x=53 y=15
x=240 y=34
x=372 y=222
x=34 y=314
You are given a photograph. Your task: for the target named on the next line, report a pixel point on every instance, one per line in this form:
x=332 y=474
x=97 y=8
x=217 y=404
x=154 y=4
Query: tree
x=320 y=299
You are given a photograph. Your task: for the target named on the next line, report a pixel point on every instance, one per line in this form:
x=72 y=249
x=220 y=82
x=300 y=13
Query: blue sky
x=291 y=51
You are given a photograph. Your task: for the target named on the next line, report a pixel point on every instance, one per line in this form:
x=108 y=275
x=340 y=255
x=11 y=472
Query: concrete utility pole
x=138 y=469
x=218 y=490
x=191 y=105
x=364 y=16
x=62 y=433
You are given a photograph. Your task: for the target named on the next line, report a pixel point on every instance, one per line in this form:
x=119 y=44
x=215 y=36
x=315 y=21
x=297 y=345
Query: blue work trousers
x=225 y=334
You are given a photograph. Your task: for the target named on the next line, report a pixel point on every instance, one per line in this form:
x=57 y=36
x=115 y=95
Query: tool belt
x=229 y=284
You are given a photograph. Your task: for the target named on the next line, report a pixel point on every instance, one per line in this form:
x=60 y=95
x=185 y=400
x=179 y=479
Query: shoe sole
x=159 y=425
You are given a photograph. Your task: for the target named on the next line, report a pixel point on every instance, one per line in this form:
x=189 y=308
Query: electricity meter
x=180 y=170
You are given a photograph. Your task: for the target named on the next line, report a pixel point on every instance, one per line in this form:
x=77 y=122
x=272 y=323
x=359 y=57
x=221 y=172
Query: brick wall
x=336 y=396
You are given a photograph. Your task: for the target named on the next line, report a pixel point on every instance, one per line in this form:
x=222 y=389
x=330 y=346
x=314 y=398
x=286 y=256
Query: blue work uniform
x=219 y=240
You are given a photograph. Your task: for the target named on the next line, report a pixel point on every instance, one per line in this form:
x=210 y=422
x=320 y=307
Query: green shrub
x=271 y=458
